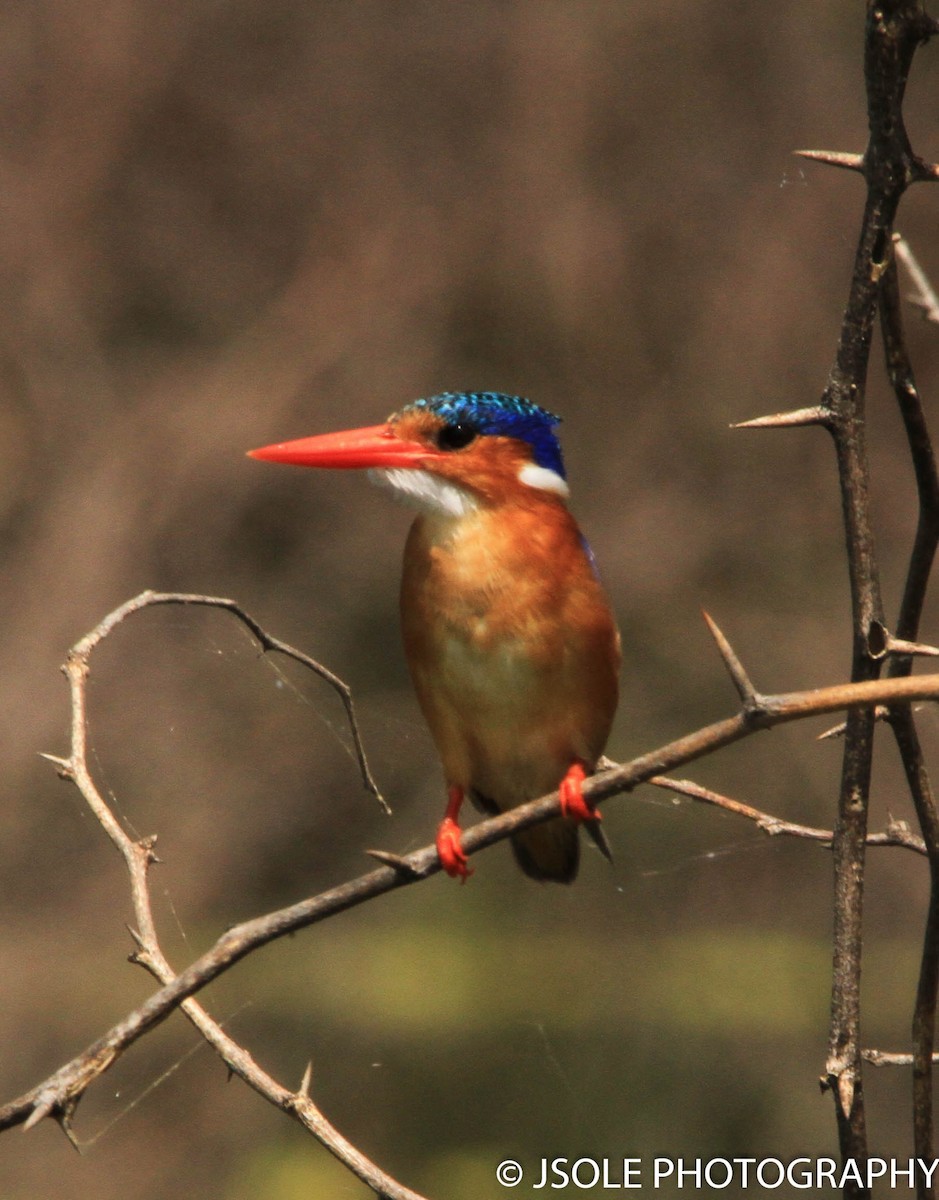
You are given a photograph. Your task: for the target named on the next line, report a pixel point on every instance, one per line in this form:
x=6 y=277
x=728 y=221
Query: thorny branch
x=139 y=856
x=58 y=1095
x=897 y=833
x=895 y=29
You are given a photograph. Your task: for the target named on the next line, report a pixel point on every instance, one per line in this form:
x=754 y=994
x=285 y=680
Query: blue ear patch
x=496 y=415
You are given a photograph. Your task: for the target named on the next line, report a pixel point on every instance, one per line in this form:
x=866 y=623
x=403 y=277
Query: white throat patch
x=426 y=491
x=543 y=478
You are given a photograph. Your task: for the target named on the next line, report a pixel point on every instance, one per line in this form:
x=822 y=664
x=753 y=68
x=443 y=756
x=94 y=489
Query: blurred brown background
x=233 y=222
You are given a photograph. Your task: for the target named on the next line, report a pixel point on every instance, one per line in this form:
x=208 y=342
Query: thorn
x=63 y=766
x=141 y=957
x=899 y=646
x=45 y=1103
x=146 y=844
x=834 y=158
x=745 y=689
x=881 y=712
x=395 y=861
x=771 y=826
x=898 y=827
x=304 y=1091
x=138 y=937
x=924 y=172
x=64 y=1118
x=846 y=1092
x=817 y=415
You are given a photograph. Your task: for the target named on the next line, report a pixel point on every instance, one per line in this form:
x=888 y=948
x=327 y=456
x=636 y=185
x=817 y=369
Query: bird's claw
x=450 y=850
x=573 y=804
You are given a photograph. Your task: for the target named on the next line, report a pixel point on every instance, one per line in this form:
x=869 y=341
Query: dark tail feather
x=549 y=852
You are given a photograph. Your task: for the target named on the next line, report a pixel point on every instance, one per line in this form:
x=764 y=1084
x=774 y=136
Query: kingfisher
x=508 y=633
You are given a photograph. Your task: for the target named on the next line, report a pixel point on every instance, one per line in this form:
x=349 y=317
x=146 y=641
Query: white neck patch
x=426 y=491
x=543 y=478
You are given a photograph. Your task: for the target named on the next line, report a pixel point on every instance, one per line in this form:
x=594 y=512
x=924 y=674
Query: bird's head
x=449 y=453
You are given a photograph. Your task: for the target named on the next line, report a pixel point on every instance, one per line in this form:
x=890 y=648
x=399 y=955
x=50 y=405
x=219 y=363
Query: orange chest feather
x=503 y=585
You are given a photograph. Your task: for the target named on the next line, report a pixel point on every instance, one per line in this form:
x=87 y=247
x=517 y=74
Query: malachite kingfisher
x=508 y=633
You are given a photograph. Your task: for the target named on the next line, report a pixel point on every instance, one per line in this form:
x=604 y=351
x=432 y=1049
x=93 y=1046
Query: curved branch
x=138 y=856
x=76 y=665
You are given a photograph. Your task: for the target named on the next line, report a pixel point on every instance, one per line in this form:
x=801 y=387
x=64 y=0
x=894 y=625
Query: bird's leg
x=449 y=847
x=573 y=804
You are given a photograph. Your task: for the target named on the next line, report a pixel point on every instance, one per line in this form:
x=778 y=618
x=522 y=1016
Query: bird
x=508 y=633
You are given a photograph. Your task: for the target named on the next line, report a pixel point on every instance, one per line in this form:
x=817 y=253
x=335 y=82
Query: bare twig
x=897 y=833
x=80 y=652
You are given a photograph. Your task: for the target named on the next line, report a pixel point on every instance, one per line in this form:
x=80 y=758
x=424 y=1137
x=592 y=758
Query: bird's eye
x=455 y=437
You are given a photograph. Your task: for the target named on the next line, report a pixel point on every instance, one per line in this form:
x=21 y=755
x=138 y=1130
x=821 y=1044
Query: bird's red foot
x=573 y=804
x=450 y=850
x=449 y=846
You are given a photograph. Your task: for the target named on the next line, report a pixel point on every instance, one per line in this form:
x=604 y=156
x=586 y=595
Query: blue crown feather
x=496 y=415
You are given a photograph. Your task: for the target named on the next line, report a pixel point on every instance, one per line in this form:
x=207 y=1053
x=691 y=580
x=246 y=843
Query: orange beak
x=374 y=446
